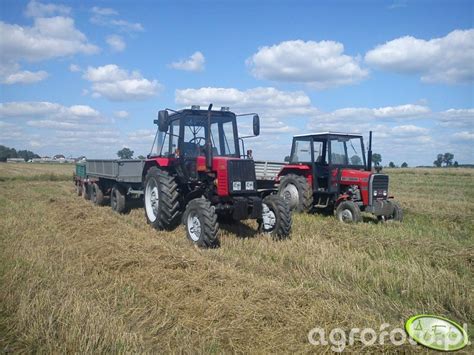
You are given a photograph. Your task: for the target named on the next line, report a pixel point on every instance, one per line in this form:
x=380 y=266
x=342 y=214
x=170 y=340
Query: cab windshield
x=193 y=132
x=347 y=151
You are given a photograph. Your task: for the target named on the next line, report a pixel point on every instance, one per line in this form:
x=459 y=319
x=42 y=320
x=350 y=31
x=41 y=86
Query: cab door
x=320 y=165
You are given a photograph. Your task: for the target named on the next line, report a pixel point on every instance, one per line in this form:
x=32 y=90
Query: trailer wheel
x=86 y=192
x=78 y=189
x=348 y=212
x=276 y=217
x=201 y=223
x=397 y=214
x=97 y=196
x=161 y=199
x=118 y=201
x=296 y=191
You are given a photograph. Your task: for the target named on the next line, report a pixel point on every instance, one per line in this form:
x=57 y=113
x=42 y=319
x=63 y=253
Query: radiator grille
x=380 y=182
x=242 y=171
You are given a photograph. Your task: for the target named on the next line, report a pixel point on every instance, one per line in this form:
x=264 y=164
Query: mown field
x=80 y=278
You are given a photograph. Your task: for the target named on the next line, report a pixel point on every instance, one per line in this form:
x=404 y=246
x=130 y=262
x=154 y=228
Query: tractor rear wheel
x=201 y=223
x=118 y=201
x=97 y=196
x=161 y=199
x=348 y=212
x=296 y=191
x=276 y=217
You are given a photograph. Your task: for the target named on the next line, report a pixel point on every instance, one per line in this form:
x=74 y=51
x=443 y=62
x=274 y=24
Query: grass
x=80 y=278
x=35 y=172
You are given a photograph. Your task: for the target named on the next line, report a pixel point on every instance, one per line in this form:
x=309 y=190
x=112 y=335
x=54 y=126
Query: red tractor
x=329 y=171
x=198 y=172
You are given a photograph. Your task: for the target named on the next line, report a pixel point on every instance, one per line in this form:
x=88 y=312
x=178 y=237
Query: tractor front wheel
x=397 y=214
x=348 y=212
x=276 y=217
x=201 y=223
x=296 y=191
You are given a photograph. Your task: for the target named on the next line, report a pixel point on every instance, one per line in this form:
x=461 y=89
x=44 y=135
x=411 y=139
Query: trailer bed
x=122 y=170
x=267 y=170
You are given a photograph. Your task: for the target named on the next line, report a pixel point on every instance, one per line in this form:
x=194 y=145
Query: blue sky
x=89 y=77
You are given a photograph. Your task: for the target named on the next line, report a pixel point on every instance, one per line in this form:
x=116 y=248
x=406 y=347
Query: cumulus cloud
x=116 y=43
x=464 y=136
x=194 y=63
x=457 y=118
x=43 y=110
x=116 y=84
x=107 y=17
x=11 y=74
x=319 y=64
x=121 y=114
x=445 y=60
x=266 y=99
x=38 y=9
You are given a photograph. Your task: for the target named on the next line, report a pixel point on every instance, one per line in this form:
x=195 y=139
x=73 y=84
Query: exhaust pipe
x=369 y=153
x=208 y=142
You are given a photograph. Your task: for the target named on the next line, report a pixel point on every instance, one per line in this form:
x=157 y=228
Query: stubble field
x=80 y=278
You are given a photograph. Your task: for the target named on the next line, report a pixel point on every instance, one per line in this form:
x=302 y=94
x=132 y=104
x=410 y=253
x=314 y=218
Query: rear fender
x=158 y=162
x=303 y=170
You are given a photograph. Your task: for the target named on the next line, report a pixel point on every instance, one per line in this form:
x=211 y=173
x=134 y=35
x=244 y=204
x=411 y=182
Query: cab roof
x=319 y=134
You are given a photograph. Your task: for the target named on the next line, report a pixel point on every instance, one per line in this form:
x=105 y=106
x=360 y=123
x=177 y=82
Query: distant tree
x=125 y=153
x=6 y=153
x=27 y=155
x=287 y=158
x=141 y=157
x=448 y=159
x=404 y=164
x=376 y=159
x=439 y=160
x=456 y=164
x=391 y=164
x=355 y=160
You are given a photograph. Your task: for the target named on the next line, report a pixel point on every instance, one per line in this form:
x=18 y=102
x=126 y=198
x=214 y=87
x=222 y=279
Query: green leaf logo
x=436 y=333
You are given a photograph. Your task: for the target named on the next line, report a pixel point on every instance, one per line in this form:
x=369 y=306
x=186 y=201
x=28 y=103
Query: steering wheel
x=197 y=140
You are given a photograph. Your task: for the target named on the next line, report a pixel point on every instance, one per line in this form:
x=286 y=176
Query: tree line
x=8 y=153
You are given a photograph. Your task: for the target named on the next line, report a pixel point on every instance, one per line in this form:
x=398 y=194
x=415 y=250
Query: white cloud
x=319 y=64
x=261 y=99
x=408 y=130
x=446 y=60
x=47 y=38
x=50 y=112
x=121 y=114
x=106 y=17
x=464 y=136
x=11 y=74
x=194 y=63
x=37 y=9
x=116 y=84
x=457 y=118
x=116 y=43
x=74 y=68
x=103 y=11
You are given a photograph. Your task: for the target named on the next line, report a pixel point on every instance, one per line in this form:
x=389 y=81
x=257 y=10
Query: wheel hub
x=194 y=227
x=291 y=196
x=152 y=201
x=269 y=219
x=346 y=216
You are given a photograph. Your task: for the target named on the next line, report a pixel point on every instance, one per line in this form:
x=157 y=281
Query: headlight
x=236 y=186
x=249 y=185
x=375 y=193
x=385 y=193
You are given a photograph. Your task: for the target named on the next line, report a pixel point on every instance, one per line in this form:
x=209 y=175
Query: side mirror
x=163 y=120
x=256 y=125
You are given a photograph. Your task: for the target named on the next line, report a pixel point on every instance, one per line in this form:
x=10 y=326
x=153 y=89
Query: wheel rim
x=291 y=195
x=269 y=218
x=152 y=201
x=194 y=226
x=346 y=216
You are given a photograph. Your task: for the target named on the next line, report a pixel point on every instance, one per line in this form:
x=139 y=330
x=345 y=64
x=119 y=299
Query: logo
x=436 y=333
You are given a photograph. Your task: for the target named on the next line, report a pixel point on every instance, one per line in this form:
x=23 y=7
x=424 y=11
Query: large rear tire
x=118 y=201
x=97 y=196
x=276 y=217
x=296 y=191
x=201 y=223
x=348 y=212
x=161 y=199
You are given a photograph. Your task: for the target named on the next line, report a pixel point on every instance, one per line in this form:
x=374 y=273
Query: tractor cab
x=327 y=152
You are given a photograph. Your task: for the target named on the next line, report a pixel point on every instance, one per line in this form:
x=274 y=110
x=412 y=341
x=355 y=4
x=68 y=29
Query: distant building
x=15 y=160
